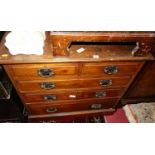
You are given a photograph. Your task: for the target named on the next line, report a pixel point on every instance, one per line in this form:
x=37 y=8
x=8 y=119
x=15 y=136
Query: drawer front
x=46 y=86
x=72 y=95
x=70 y=118
x=51 y=97
x=113 y=68
x=48 y=108
x=105 y=82
x=29 y=71
x=108 y=82
x=101 y=93
x=42 y=86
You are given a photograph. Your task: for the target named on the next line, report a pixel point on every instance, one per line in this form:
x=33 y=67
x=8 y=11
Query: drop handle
x=50 y=97
x=111 y=69
x=100 y=94
x=45 y=72
x=51 y=110
x=47 y=85
x=96 y=106
x=105 y=83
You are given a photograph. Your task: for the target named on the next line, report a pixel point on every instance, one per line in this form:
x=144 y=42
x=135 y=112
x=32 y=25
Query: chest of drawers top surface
x=108 y=46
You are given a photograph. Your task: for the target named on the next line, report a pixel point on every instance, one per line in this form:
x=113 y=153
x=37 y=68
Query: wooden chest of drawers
x=59 y=89
x=69 y=83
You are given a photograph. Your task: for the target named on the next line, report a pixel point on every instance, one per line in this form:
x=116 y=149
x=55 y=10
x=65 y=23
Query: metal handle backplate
x=105 y=83
x=47 y=85
x=111 y=69
x=100 y=94
x=51 y=110
x=96 y=106
x=45 y=72
x=50 y=97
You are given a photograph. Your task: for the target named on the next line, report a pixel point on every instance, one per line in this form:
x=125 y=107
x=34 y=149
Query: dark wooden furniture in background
x=143 y=88
x=83 y=73
x=11 y=108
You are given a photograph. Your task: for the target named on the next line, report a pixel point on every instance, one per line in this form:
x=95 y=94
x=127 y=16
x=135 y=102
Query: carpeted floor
x=133 y=113
x=140 y=113
x=118 y=117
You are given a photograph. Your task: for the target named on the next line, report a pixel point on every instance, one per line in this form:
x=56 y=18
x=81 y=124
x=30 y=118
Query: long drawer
x=69 y=116
x=48 y=108
x=46 y=85
x=40 y=71
x=113 y=68
x=72 y=95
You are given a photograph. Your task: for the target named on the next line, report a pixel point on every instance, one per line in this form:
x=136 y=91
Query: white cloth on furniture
x=25 y=42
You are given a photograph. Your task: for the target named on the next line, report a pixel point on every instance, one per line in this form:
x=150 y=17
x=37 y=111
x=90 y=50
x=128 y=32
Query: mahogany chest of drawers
x=80 y=73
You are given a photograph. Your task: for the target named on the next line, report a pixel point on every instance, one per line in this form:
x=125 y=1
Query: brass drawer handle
x=111 y=69
x=51 y=110
x=45 y=72
x=50 y=97
x=47 y=85
x=100 y=94
x=105 y=83
x=96 y=106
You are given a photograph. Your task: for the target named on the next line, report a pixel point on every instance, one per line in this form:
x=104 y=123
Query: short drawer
x=35 y=71
x=72 y=95
x=42 y=86
x=48 y=108
x=110 y=68
x=46 y=85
